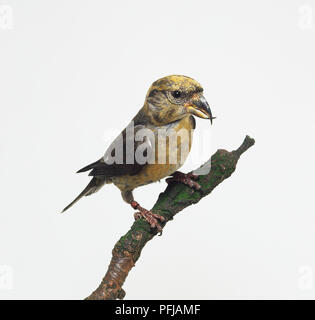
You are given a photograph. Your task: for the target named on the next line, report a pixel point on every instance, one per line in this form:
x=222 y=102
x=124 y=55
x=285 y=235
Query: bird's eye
x=176 y=94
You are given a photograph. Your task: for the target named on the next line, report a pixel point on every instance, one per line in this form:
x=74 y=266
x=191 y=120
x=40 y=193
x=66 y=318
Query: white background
x=72 y=71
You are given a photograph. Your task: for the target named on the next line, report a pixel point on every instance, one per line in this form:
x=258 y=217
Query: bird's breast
x=172 y=146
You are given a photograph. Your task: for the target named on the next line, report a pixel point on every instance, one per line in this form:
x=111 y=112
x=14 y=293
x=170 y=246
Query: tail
x=94 y=185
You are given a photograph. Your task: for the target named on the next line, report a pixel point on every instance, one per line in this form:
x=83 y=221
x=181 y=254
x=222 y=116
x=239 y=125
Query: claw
x=185 y=178
x=137 y=216
x=150 y=217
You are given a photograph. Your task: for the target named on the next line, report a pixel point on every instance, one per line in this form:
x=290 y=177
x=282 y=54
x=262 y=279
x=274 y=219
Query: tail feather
x=94 y=185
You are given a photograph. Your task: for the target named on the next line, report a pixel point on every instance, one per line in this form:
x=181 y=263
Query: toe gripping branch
x=152 y=218
x=185 y=178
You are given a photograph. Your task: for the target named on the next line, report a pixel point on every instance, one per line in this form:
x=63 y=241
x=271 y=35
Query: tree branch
x=175 y=198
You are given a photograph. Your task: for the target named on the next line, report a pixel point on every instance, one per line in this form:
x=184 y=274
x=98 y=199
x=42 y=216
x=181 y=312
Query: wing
x=128 y=154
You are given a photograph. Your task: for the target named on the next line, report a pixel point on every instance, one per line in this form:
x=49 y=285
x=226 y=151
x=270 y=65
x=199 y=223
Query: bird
x=145 y=151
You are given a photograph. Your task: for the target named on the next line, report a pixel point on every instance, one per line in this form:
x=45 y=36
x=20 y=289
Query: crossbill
x=145 y=152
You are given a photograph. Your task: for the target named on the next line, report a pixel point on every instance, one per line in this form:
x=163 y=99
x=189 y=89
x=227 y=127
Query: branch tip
x=247 y=143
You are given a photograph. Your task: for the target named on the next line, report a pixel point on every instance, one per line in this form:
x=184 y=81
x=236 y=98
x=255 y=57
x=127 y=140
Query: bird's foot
x=152 y=218
x=185 y=178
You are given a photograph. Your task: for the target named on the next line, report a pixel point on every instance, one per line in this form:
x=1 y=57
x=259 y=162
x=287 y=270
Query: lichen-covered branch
x=175 y=198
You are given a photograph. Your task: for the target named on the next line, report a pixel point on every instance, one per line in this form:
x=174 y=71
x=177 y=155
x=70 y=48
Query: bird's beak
x=200 y=108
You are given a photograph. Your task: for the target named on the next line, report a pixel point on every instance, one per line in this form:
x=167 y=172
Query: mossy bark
x=175 y=198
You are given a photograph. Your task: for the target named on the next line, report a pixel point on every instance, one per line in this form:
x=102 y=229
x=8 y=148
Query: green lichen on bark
x=175 y=198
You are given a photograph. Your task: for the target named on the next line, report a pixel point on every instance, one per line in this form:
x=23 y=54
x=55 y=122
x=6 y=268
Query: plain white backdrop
x=72 y=71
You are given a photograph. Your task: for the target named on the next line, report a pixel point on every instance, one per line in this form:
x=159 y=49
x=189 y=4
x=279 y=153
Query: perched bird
x=145 y=152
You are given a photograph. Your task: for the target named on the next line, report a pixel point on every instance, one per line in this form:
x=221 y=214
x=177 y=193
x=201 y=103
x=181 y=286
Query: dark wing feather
x=90 y=166
x=115 y=170
x=104 y=169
